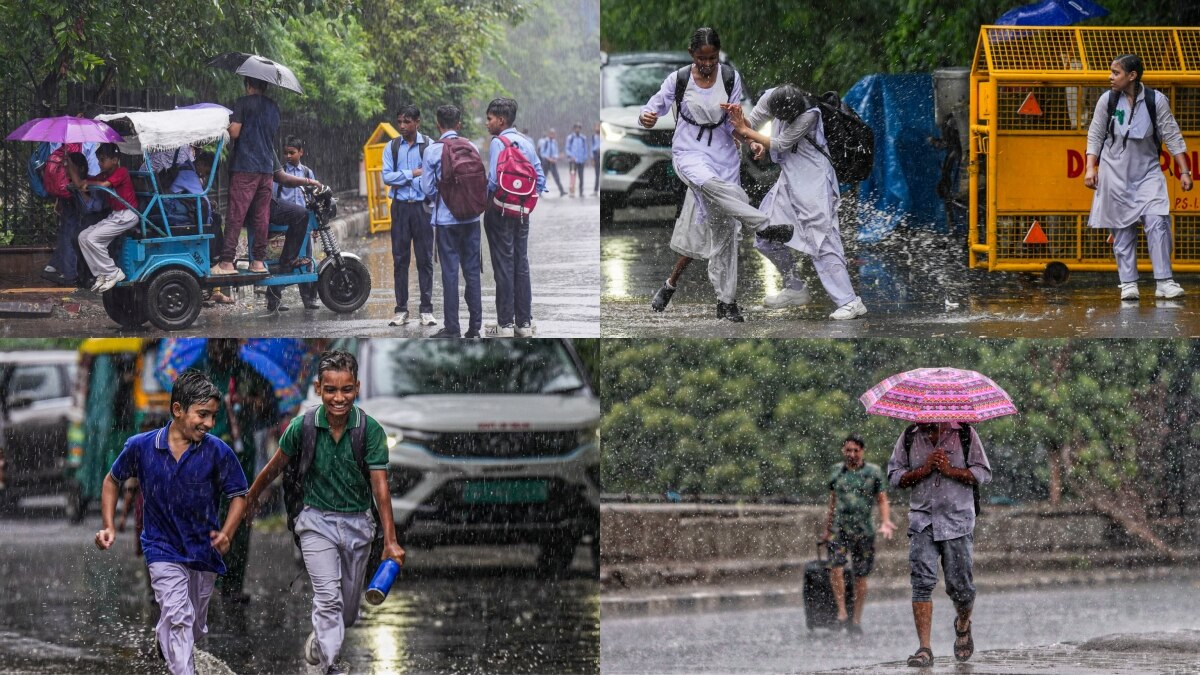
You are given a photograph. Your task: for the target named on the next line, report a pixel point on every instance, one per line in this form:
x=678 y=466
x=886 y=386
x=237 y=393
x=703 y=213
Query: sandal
x=922 y=659
x=221 y=299
x=962 y=652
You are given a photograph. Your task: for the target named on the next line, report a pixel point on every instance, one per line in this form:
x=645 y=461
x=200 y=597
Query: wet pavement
x=564 y=269
x=915 y=284
x=1014 y=632
x=66 y=607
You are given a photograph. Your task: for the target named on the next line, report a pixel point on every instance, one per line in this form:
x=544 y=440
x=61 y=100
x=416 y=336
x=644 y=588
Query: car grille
x=658 y=178
x=565 y=501
x=659 y=138
x=504 y=444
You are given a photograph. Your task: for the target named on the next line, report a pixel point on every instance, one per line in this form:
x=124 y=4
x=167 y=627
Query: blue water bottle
x=381 y=583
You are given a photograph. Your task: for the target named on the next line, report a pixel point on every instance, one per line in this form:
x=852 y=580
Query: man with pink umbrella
x=942 y=459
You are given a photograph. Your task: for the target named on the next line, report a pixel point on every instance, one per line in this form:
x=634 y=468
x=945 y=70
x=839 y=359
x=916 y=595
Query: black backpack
x=850 y=140
x=964 y=439
x=682 y=77
x=293 y=473
x=1151 y=107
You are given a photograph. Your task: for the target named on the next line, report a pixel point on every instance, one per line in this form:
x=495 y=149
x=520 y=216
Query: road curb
x=355 y=225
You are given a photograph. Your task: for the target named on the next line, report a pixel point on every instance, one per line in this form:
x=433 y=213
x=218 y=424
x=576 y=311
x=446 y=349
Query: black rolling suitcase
x=820 y=609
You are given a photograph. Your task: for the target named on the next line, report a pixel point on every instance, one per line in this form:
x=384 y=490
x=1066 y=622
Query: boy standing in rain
x=930 y=459
x=183 y=472
x=849 y=531
x=335 y=527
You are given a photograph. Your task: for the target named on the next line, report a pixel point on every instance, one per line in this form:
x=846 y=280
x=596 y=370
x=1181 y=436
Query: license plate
x=506 y=492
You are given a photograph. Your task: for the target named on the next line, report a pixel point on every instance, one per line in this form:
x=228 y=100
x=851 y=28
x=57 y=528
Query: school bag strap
x=1151 y=98
x=682 y=77
x=964 y=440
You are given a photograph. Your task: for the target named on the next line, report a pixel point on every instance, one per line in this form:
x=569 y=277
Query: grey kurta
x=1130 y=183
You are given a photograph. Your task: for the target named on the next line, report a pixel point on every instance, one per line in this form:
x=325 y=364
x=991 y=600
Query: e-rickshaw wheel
x=124 y=305
x=1056 y=274
x=344 y=288
x=172 y=299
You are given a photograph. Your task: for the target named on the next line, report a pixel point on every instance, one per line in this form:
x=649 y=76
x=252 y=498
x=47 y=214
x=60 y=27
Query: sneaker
x=427 y=319
x=788 y=297
x=100 y=279
x=312 y=650
x=472 y=334
x=1167 y=289
x=400 y=319
x=850 y=310
x=310 y=303
x=780 y=234
x=663 y=297
x=505 y=331
x=445 y=333
x=1129 y=290
x=525 y=330
x=50 y=269
x=110 y=281
x=729 y=312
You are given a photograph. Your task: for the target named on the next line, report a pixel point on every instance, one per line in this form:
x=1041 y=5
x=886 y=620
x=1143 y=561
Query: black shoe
x=472 y=334
x=781 y=234
x=729 y=311
x=57 y=278
x=445 y=333
x=275 y=304
x=310 y=303
x=660 y=300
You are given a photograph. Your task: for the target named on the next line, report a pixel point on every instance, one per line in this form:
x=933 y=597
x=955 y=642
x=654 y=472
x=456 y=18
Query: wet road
x=564 y=269
x=776 y=640
x=915 y=284
x=66 y=607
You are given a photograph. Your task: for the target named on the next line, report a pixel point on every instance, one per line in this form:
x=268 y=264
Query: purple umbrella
x=65 y=129
x=202 y=106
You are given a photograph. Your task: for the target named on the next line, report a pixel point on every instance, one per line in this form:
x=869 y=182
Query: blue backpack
x=36 y=161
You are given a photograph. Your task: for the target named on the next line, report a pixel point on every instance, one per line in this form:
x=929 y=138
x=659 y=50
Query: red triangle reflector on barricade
x=1036 y=235
x=1030 y=106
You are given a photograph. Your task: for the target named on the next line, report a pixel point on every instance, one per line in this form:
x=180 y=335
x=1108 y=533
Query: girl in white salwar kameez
x=1124 y=171
x=706 y=159
x=806 y=194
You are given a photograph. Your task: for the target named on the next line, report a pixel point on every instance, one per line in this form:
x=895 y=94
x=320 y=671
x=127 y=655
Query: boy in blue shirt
x=411 y=230
x=293 y=152
x=508 y=236
x=457 y=240
x=183 y=471
x=548 y=154
x=577 y=151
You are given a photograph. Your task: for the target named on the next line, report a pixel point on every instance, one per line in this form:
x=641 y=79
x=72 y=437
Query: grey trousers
x=1158 y=241
x=335 y=547
x=957 y=559
x=94 y=241
x=182 y=594
x=716 y=237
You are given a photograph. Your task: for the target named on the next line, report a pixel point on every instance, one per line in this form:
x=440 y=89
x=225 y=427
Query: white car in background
x=489 y=442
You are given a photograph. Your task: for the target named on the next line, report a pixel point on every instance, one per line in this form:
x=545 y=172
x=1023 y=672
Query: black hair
x=412 y=112
x=704 y=37
x=192 y=387
x=336 y=359
x=857 y=440
x=448 y=116
x=107 y=150
x=294 y=142
x=80 y=162
x=204 y=156
x=505 y=108
x=787 y=102
x=1131 y=63
x=255 y=83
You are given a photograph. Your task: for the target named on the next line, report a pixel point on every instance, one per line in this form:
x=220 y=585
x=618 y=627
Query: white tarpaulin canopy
x=169 y=129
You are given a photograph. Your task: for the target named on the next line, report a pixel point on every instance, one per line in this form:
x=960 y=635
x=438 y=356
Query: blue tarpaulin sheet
x=902 y=187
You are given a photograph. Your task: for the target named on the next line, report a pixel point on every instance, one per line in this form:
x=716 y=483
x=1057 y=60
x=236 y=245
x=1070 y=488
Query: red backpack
x=516 y=182
x=463 y=184
x=54 y=174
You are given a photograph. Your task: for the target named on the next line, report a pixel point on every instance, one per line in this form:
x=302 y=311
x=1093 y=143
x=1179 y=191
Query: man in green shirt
x=853 y=486
x=335 y=527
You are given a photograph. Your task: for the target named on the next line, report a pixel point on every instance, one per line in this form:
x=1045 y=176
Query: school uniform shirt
x=181 y=497
x=1130 y=181
x=525 y=146
x=122 y=185
x=698 y=160
x=548 y=148
x=399 y=176
x=577 y=148
x=431 y=171
x=334 y=482
x=942 y=503
x=595 y=143
x=293 y=195
x=255 y=146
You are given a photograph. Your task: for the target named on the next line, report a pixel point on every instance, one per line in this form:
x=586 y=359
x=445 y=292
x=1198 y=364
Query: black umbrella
x=252 y=65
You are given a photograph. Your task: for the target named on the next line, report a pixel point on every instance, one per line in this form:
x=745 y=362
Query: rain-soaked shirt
x=943 y=503
x=181 y=497
x=334 y=482
x=855 y=492
x=710 y=156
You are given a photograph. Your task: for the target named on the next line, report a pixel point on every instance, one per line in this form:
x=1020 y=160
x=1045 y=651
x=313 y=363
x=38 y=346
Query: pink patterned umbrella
x=938 y=395
x=65 y=129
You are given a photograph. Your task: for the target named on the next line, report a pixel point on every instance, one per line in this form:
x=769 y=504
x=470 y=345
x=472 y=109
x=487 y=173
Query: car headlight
x=394 y=437
x=612 y=132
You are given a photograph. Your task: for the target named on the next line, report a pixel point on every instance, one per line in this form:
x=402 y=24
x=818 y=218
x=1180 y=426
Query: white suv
x=489 y=442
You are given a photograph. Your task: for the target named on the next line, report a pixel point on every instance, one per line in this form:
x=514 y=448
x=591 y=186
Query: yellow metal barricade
x=378 y=202
x=1033 y=94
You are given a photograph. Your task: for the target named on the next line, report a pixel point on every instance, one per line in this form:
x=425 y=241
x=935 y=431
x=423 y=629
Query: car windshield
x=417 y=367
x=625 y=85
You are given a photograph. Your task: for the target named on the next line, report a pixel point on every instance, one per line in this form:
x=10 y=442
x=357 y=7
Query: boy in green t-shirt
x=853 y=486
x=335 y=527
